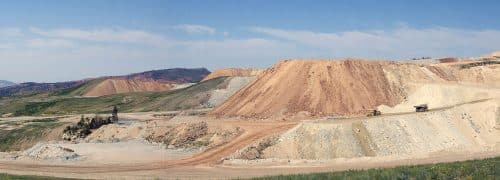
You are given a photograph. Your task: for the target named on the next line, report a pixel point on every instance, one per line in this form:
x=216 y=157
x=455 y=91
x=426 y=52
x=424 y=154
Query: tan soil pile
x=467 y=128
x=183 y=135
x=116 y=133
x=233 y=72
x=191 y=135
x=320 y=87
x=42 y=151
x=349 y=87
x=115 y=86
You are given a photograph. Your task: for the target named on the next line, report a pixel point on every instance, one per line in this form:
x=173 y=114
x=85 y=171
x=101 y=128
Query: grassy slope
x=79 y=90
x=28 y=132
x=474 y=169
x=187 y=98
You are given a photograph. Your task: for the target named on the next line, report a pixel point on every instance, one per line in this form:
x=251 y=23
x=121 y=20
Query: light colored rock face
x=441 y=95
x=218 y=96
x=325 y=141
x=115 y=86
x=471 y=128
x=233 y=72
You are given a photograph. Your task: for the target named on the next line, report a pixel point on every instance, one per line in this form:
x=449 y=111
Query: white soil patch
x=126 y=152
x=42 y=151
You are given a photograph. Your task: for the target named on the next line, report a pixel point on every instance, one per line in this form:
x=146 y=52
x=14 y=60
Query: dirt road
x=252 y=132
x=207 y=165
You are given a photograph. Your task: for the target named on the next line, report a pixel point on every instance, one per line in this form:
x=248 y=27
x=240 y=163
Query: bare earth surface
x=348 y=87
x=138 y=162
x=296 y=117
x=115 y=86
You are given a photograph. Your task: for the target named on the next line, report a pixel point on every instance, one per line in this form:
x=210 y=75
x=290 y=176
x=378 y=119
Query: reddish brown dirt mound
x=115 y=86
x=319 y=87
x=233 y=72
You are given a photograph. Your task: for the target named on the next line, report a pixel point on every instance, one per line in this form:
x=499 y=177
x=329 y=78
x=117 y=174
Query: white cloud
x=105 y=35
x=402 y=42
x=108 y=51
x=10 y=32
x=195 y=29
x=50 y=43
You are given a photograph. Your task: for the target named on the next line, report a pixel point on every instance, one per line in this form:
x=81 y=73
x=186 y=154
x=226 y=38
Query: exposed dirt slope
x=319 y=87
x=349 y=87
x=115 y=86
x=469 y=128
x=233 y=72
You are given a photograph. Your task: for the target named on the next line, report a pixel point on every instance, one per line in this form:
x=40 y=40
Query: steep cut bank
x=315 y=87
x=116 y=86
x=233 y=72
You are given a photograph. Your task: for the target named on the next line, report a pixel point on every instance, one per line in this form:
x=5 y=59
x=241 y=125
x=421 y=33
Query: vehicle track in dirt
x=252 y=133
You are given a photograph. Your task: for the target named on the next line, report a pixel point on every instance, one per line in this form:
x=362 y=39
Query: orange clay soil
x=320 y=87
x=348 y=87
x=115 y=86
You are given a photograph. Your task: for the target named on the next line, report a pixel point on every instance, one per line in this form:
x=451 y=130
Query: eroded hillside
x=348 y=87
x=116 y=86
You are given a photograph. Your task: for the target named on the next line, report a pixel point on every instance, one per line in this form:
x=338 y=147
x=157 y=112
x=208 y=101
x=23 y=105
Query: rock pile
x=43 y=151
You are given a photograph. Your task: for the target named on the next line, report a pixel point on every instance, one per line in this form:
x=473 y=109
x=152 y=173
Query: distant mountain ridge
x=176 y=75
x=4 y=83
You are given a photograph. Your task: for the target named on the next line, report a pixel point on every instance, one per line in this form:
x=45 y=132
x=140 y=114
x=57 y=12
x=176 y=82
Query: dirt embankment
x=349 y=87
x=318 y=87
x=466 y=128
x=232 y=72
x=115 y=86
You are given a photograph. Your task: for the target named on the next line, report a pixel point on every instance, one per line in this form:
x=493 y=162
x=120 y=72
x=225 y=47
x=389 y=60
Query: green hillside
x=65 y=102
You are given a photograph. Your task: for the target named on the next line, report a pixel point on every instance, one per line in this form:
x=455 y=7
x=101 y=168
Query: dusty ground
x=132 y=155
x=210 y=164
x=331 y=146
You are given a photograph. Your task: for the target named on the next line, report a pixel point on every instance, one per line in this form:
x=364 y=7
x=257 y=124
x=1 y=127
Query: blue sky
x=47 y=41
